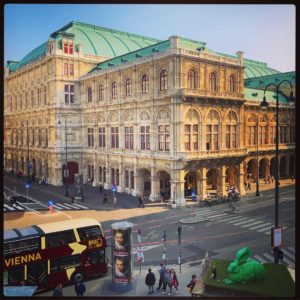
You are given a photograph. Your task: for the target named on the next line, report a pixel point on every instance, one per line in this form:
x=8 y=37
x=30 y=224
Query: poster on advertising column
x=121 y=256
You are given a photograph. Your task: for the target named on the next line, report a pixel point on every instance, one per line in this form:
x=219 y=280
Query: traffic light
x=280 y=254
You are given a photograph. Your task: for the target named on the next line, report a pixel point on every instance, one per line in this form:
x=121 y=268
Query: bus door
x=37 y=274
x=97 y=260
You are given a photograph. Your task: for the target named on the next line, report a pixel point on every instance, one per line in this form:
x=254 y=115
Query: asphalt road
x=220 y=234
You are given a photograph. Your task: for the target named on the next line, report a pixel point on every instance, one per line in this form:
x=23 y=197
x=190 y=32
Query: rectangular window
x=212 y=135
x=70 y=48
x=40 y=137
x=283 y=135
x=32 y=137
x=65 y=48
x=129 y=137
x=26 y=100
x=66 y=69
x=102 y=137
x=145 y=137
x=46 y=138
x=195 y=137
x=231 y=136
x=115 y=137
x=187 y=137
x=90 y=233
x=90 y=137
x=131 y=180
x=251 y=135
x=164 y=137
x=292 y=134
x=69 y=93
x=272 y=134
x=72 y=69
x=32 y=98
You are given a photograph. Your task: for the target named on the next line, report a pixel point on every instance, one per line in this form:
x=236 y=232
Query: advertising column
x=121 y=256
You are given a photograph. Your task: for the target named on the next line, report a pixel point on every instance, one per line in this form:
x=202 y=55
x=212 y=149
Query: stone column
x=96 y=175
x=203 y=184
x=107 y=185
x=240 y=184
x=121 y=187
x=222 y=185
x=136 y=191
x=153 y=196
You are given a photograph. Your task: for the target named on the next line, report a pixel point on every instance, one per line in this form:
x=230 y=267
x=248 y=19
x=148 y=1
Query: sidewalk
x=102 y=286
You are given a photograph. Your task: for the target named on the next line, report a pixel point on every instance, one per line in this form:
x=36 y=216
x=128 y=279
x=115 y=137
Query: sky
x=264 y=33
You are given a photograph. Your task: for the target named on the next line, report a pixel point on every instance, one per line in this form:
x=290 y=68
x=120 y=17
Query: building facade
x=153 y=117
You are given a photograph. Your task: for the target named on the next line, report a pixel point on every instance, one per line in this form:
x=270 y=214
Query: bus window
x=96 y=256
x=90 y=233
x=54 y=265
x=11 y=248
x=30 y=244
x=70 y=262
x=15 y=275
x=59 y=239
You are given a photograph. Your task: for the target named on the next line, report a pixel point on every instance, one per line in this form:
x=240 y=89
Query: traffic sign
x=29 y=165
x=50 y=203
x=27 y=185
x=113 y=188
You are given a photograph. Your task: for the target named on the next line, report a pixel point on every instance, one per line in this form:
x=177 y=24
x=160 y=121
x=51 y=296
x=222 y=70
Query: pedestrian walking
x=100 y=188
x=174 y=280
x=161 y=271
x=249 y=186
x=167 y=282
x=192 y=283
x=292 y=178
x=114 y=200
x=150 y=281
x=58 y=291
x=141 y=201
x=79 y=288
x=105 y=198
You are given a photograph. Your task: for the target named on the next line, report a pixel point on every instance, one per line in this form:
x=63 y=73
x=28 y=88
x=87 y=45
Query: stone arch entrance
x=190 y=183
x=251 y=169
x=272 y=167
x=282 y=167
x=263 y=168
x=212 y=181
x=144 y=181
x=164 y=184
x=231 y=176
x=72 y=169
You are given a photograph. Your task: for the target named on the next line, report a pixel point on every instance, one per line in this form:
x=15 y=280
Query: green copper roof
x=33 y=55
x=257 y=95
x=106 y=42
x=261 y=82
x=254 y=68
x=145 y=52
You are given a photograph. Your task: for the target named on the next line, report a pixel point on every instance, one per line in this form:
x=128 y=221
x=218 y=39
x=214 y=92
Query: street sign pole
x=179 y=242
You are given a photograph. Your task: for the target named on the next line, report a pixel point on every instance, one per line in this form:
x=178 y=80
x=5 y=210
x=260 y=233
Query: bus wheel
x=78 y=277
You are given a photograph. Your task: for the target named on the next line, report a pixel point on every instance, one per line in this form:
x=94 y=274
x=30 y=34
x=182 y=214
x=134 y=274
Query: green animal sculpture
x=244 y=269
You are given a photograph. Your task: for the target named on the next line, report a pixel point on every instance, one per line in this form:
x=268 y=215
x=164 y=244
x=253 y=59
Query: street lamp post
x=264 y=105
x=257 y=162
x=66 y=171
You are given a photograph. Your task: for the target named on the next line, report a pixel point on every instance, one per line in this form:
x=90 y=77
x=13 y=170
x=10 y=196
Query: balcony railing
x=201 y=93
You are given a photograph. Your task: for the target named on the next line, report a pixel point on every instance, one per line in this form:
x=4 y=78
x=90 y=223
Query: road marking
x=62 y=206
x=18 y=207
x=238 y=219
x=268 y=256
x=291 y=249
x=216 y=216
x=259 y=226
x=286 y=253
x=80 y=205
x=205 y=213
x=253 y=223
x=287 y=261
x=268 y=227
x=229 y=218
x=243 y=222
x=9 y=207
x=71 y=206
x=259 y=258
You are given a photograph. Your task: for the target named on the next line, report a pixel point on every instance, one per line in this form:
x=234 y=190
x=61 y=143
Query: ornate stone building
x=158 y=117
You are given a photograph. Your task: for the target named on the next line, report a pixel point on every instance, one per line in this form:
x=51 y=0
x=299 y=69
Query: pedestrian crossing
x=237 y=220
x=56 y=206
x=267 y=257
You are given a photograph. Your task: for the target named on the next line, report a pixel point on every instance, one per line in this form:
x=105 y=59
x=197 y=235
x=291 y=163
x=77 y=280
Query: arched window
x=90 y=94
x=192 y=79
x=145 y=84
x=231 y=130
x=231 y=84
x=163 y=80
x=101 y=92
x=114 y=90
x=212 y=131
x=213 y=81
x=128 y=87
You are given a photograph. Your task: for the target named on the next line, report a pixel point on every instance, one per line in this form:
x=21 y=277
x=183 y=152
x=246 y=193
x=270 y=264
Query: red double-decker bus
x=60 y=252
